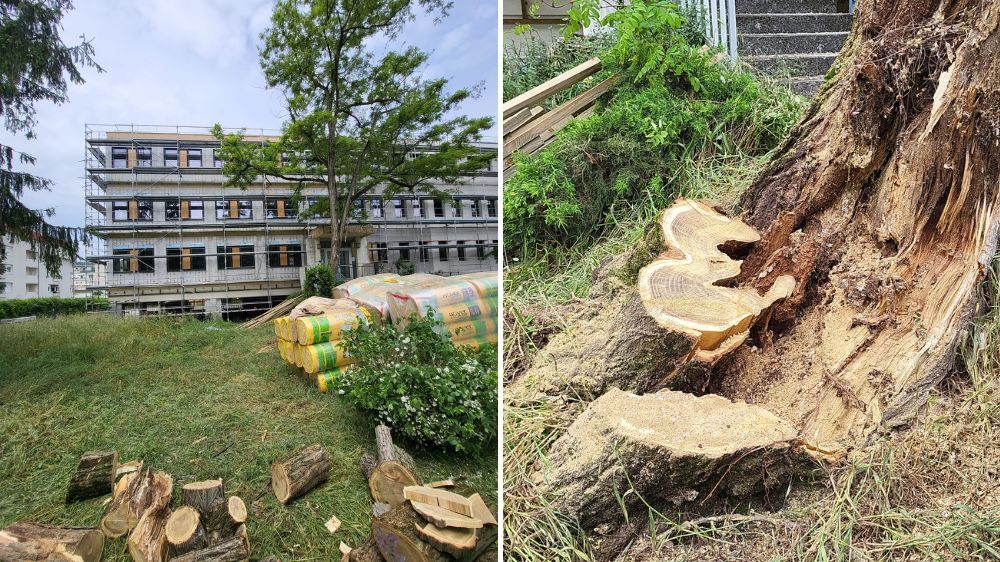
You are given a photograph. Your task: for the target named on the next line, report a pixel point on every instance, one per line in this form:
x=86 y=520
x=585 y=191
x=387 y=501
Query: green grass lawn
x=198 y=400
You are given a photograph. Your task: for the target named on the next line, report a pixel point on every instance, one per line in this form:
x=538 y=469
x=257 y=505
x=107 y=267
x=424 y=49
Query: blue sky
x=194 y=62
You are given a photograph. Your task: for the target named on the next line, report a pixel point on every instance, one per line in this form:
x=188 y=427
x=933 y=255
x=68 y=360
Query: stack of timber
x=279 y=310
x=420 y=523
x=208 y=526
x=528 y=126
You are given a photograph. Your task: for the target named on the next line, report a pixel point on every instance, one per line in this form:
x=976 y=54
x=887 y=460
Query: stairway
x=799 y=38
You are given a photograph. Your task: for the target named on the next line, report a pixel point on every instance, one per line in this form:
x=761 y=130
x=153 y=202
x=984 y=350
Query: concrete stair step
x=814 y=64
x=791 y=43
x=787 y=6
x=793 y=23
x=806 y=86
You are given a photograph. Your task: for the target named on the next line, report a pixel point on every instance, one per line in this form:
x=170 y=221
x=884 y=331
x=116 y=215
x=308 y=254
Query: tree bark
x=231 y=550
x=392 y=471
x=32 y=541
x=148 y=541
x=201 y=495
x=303 y=471
x=94 y=476
x=137 y=493
x=395 y=535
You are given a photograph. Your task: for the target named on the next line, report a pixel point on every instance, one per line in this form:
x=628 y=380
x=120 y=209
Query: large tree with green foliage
x=35 y=65
x=359 y=118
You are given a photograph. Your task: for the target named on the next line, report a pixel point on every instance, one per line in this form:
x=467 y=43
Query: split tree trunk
x=233 y=549
x=148 y=541
x=392 y=471
x=136 y=493
x=303 y=471
x=32 y=541
x=94 y=476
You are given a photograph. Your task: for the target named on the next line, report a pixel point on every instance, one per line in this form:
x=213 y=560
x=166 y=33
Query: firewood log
x=230 y=550
x=390 y=472
x=223 y=518
x=185 y=531
x=396 y=537
x=201 y=495
x=300 y=473
x=140 y=492
x=148 y=541
x=94 y=476
x=33 y=541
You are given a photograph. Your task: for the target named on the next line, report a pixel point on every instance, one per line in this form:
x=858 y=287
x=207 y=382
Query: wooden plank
x=481 y=511
x=185 y=259
x=183 y=158
x=235 y=251
x=131 y=158
x=281 y=208
x=283 y=256
x=234 y=209
x=549 y=87
x=442 y=517
x=558 y=116
x=133 y=210
x=185 y=209
x=442 y=498
x=520 y=118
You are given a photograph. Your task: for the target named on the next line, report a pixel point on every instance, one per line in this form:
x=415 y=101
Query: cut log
x=33 y=541
x=392 y=471
x=243 y=535
x=184 y=531
x=141 y=491
x=222 y=519
x=127 y=468
x=364 y=552
x=94 y=476
x=395 y=535
x=482 y=511
x=442 y=498
x=201 y=495
x=456 y=542
x=233 y=549
x=442 y=517
x=300 y=473
x=681 y=291
x=148 y=541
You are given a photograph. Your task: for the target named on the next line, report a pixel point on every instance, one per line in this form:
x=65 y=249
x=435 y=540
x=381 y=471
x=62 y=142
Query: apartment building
x=23 y=275
x=175 y=240
x=88 y=274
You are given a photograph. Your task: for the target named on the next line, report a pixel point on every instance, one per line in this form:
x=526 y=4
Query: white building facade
x=23 y=274
x=175 y=240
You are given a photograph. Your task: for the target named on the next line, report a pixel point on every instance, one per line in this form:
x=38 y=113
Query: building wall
x=23 y=276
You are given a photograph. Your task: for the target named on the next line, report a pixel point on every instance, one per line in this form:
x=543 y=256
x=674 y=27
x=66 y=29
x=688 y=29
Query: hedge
x=16 y=308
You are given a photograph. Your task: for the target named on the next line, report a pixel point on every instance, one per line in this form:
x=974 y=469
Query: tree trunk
x=201 y=495
x=148 y=542
x=392 y=471
x=884 y=205
x=303 y=471
x=94 y=476
x=396 y=537
x=137 y=493
x=184 y=531
x=231 y=550
x=32 y=541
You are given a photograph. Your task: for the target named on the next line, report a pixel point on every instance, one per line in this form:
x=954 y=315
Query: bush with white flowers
x=415 y=381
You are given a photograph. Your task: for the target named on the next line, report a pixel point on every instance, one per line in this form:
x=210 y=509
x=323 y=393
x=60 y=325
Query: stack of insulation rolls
x=312 y=339
x=465 y=304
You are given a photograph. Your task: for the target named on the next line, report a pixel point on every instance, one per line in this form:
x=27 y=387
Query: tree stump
x=392 y=471
x=33 y=541
x=233 y=549
x=136 y=493
x=184 y=531
x=94 y=476
x=201 y=495
x=148 y=541
x=300 y=473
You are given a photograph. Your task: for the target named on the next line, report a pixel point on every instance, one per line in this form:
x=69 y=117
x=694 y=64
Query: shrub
x=417 y=382
x=48 y=306
x=320 y=281
x=405 y=267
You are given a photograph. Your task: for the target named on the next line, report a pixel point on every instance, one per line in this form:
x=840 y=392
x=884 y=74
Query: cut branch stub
x=679 y=290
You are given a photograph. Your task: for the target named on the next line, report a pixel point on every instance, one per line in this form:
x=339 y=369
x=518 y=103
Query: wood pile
x=528 y=126
x=280 y=309
x=419 y=523
x=207 y=526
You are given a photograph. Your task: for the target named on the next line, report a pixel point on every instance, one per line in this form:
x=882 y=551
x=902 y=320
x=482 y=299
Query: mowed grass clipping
x=197 y=400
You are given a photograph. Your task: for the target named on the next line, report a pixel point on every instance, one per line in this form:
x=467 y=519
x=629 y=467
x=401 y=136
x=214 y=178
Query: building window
x=119 y=157
x=217 y=158
x=279 y=208
x=481 y=249
x=404 y=251
x=134 y=210
x=30 y=255
x=134 y=260
x=184 y=210
x=194 y=158
x=6 y=268
x=236 y=257
x=418 y=210
x=234 y=209
x=474 y=207
x=378 y=252
x=53 y=289
x=491 y=207
x=397 y=208
x=456 y=209
x=186 y=259
x=461 y=250
x=425 y=252
x=438 y=208
x=358 y=209
x=284 y=255
x=170 y=157
x=443 y=250
x=144 y=157
x=376 y=206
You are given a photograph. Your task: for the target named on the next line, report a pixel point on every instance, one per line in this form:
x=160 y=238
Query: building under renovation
x=175 y=240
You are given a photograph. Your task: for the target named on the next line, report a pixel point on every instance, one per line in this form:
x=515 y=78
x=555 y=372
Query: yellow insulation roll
x=325 y=379
x=324 y=356
x=475 y=341
x=485 y=282
x=476 y=309
x=328 y=326
x=471 y=328
x=297 y=354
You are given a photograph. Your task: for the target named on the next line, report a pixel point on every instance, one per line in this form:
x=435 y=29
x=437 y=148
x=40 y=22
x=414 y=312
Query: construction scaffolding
x=176 y=240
